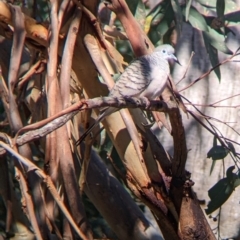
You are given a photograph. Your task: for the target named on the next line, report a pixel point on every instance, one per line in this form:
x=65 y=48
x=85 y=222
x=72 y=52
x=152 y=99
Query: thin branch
x=94 y=22
x=47 y=180
x=35 y=31
x=188 y=65
x=59 y=119
x=209 y=71
x=214 y=104
x=37 y=67
x=28 y=202
x=67 y=57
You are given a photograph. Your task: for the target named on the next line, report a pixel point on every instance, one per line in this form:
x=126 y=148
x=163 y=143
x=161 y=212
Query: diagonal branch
x=47 y=180
x=46 y=126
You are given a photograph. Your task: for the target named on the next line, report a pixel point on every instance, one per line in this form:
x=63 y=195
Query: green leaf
x=233 y=18
x=230 y=175
x=154 y=17
x=156 y=33
x=178 y=15
x=132 y=4
x=219 y=194
x=232 y=148
x=213 y=55
x=157 y=19
x=140 y=14
x=230 y=6
x=217 y=40
x=157 y=9
x=214 y=141
x=220 y=8
x=196 y=19
x=212 y=166
x=189 y=3
x=236 y=183
x=217 y=152
x=159 y=31
x=209 y=3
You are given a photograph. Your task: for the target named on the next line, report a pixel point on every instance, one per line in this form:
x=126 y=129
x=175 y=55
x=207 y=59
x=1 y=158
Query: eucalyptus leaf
x=229 y=173
x=196 y=19
x=154 y=17
x=157 y=19
x=212 y=166
x=230 y=6
x=157 y=9
x=140 y=14
x=236 y=183
x=132 y=4
x=214 y=141
x=219 y=194
x=217 y=40
x=178 y=15
x=217 y=152
x=209 y=3
x=189 y=3
x=232 y=148
x=233 y=18
x=213 y=55
x=156 y=33
x=220 y=8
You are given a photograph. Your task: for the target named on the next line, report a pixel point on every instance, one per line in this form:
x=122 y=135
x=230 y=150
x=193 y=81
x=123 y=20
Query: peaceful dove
x=146 y=77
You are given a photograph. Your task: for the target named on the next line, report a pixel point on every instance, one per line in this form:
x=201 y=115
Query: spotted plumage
x=146 y=77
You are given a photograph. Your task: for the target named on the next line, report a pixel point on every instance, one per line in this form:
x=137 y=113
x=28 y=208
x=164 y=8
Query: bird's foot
x=147 y=102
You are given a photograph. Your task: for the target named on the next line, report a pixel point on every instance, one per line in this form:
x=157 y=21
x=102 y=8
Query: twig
x=47 y=180
x=28 y=203
x=64 y=5
x=60 y=119
x=66 y=66
x=36 y=32
x=214 y=104
x=94 y=22
x=213 y=132
x=209 y=71
x=37 y=67
x=188 y=65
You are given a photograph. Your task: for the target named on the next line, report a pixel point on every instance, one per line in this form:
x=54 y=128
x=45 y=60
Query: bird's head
x=167 y=52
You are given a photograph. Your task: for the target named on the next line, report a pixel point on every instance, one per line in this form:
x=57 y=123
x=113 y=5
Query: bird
x=145 y=77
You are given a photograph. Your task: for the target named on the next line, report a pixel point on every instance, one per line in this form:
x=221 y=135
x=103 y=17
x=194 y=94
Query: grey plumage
x=146 y=77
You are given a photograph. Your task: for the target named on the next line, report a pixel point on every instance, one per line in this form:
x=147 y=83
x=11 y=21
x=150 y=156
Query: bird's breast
x=157 y=82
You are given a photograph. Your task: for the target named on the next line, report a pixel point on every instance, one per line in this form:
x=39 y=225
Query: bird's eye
x=164 y=51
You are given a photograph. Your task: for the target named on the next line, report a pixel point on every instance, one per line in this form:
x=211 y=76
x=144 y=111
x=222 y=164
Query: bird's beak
x=175 y=59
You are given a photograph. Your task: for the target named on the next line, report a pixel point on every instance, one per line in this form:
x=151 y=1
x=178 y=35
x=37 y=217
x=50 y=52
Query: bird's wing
x=134 y=79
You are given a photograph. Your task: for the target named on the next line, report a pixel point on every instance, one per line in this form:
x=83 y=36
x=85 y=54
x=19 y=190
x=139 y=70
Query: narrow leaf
x=132 y=4
x=233 y=18
x=230 y=6
x=214 y=141
x=220 y=8
x=217 y=152
x=213 y=55
x=212 y=166
x=196 y=19
x=189 y=3
x=178 y=15
x=154 y=17
x=229 y=173
x=217 y=40
x=140 y=13
x=209 y=3
x=236 y=183
x=219 y=194
x=232 y=148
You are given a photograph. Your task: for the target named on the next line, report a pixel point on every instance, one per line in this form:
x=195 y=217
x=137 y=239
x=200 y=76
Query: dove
x=145 y=77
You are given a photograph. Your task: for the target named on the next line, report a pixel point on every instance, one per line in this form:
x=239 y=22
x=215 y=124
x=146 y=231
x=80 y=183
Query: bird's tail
x=102 y=115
